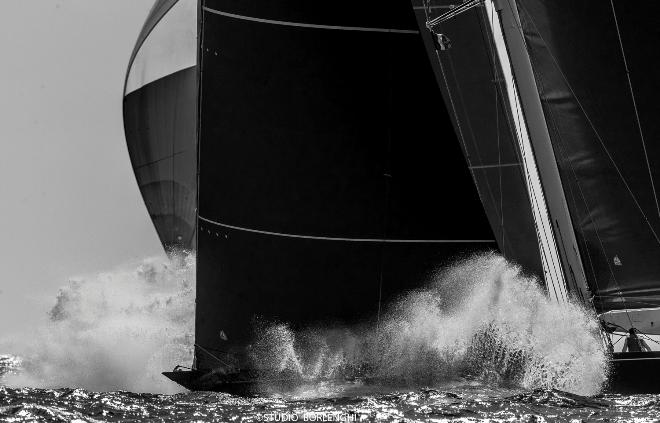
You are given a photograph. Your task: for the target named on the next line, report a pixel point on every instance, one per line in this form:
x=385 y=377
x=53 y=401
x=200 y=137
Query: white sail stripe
x=327 y=238
x=308 y=25
x=547 y=243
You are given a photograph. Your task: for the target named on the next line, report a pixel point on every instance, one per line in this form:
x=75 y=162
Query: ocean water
x=465 y=403
x=481 y=342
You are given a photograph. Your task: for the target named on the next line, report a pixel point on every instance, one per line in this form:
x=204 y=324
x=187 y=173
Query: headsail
x=474 y=90
x=160 y=118
x=581 y=69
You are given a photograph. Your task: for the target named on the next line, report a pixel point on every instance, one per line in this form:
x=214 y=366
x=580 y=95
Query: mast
x=563 y=268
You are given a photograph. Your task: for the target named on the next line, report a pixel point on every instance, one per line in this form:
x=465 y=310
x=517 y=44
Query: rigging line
x=497 y=129
x=469 y=125
x=601 y=142
x=596 y=231
x=632 y=95
x=581 y=193
x=454 y=110
x=387 y=175
x=211 y=354
x=447 y=6
x=649 y=304
x=490 y=44
x=552 y=121
x=647 y=337
x=461 y=133
x=174 y=154
x=453 y=107
x=593 y=126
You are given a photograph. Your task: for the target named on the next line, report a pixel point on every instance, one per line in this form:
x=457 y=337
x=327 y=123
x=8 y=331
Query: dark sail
x=330 y=176
x=470 y=78
x=595 y=68
x=160 y=119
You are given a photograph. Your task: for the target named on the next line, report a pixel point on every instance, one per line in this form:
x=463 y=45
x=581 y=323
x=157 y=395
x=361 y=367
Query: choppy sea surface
x=480 y=342
x=457 y=403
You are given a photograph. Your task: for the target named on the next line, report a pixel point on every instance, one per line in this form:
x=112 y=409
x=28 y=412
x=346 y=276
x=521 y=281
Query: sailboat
x=303 y=150
x=320 y=164
x=554 y=105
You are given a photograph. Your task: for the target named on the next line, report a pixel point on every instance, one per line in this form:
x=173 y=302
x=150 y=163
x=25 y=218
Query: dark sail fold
x=595 y=69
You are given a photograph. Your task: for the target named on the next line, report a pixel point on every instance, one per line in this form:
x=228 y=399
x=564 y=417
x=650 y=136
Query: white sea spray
x=480 y=319
x=116 y=330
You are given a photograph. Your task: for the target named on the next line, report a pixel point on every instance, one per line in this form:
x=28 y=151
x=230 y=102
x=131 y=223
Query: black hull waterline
x=631 y=373
x=635 y=373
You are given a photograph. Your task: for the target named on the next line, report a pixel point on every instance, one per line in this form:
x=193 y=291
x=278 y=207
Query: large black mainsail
x=327 y=186
x=329 y=176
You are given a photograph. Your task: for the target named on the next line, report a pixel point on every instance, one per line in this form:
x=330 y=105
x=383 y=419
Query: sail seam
x=308 y=25
x=327 y=238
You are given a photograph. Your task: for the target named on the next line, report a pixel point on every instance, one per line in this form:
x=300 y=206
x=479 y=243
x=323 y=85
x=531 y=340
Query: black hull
x=243 y=383
x=201 y=380
x=635 y=373
x=631 y=373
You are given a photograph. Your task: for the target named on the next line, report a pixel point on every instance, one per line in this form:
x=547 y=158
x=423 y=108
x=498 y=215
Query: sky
x=69 y=203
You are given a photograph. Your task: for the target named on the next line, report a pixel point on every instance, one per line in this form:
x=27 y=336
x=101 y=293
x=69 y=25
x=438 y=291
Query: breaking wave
x=479 y=320
x=113 y=331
